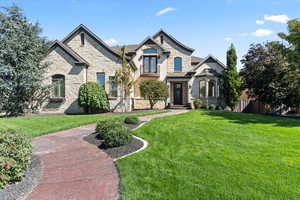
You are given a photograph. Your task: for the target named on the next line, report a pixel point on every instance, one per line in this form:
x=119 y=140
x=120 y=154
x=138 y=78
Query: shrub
x=218 y=107
x=197 y=103
x=204 y=106
x=211 y=107
x=93 y=98
x=15 y=153
x=117 y=136
x=154 y=91
x=113 y=132
x=132 y=120
x=103 y=126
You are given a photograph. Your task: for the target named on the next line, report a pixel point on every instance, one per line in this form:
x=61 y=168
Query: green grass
x=215 y=155
x=37 y=126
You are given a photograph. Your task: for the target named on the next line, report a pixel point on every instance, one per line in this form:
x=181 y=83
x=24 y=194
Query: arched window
x=177 y=64
x=58 y=82
x=212 y=88
x=151 y=50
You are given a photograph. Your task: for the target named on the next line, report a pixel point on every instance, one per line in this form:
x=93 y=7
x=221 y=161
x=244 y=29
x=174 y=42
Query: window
x=150 y=64
x=58 y=82
x=152 y=50
x=177 y=64
x=202 y=88
x=101 y=79
x=82 y=39
x=113 y=89
x=211 y=88
x=161 y=39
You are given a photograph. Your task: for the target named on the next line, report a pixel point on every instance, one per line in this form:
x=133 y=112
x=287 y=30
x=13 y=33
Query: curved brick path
x=74 y=169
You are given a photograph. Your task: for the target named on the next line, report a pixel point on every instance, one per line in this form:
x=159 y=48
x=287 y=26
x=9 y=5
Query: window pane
x=113 y=89
x=211 y=88
x=101 y=79
x=58 y=82
x=146 y=64
x=153 y=64
x=150 y=51
x=202 y=89
x=177 y=65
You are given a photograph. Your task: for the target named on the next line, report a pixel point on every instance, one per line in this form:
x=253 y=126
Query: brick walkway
x=74 y=169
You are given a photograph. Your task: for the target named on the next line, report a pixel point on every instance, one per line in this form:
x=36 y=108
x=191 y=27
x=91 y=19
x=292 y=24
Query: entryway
x=177 y=94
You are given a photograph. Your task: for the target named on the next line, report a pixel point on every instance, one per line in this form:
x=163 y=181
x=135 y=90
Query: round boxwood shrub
x=93 y=98
x=218 y=107
x=117 y=136
x=132 y=120
x=197 y=103
x=113 y=132
x=15 y=154
x=211 y=107
x=205 y=106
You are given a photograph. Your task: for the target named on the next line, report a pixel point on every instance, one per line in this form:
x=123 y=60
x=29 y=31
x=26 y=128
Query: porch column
x=169 y=86
x=206 y=88
x=189 y=91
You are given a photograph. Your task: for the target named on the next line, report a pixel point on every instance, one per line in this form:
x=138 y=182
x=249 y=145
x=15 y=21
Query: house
x=82 y=56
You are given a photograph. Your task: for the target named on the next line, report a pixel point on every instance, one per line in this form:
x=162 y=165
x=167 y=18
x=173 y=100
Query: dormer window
x=161 y=39
x=152 y=50
x=82 y=39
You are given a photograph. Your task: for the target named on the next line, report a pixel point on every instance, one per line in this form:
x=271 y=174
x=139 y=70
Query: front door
x=177 y=93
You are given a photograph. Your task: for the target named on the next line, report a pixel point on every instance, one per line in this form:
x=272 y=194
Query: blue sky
x=206 y=26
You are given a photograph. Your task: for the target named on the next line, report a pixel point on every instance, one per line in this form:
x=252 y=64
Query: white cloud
x=111 y=41
x=259 y=22
x=164 y=11
x=283 y=19
x=262 y=32
x=228 y=39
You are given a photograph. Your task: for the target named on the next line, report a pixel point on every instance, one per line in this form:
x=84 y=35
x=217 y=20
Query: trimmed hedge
x=113 y=132
x=15 y=154
x=132 y=120
x=93 y=98
x=197 y=103
x=212 y=107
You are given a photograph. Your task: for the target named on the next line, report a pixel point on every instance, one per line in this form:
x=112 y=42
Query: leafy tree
x=264 y=73
x=293 y=54
x=154 y=91
x=93 y=98
x=231 y=81
x=21 y=72
x=125 y=78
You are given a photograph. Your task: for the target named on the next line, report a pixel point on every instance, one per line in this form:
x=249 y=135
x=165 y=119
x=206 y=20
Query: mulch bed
x=29 y=181
x=116 y=152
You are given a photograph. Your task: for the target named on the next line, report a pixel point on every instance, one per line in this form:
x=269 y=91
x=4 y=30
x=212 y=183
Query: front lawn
x=37 y=126
x=215 y=155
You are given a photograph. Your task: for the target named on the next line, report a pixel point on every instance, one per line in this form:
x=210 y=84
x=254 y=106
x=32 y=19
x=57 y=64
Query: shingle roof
x=196 y=60
x=129 y=48
x=173 y=39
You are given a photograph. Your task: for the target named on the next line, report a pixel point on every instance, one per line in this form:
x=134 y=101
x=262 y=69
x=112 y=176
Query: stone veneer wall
x=142 y=104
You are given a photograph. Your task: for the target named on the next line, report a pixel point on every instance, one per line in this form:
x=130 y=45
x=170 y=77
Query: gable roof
x=78 y=59
x=153 y=41
x=195 y=60
x=207 y=59
x=91 y=34
x=161 y=31
x=129 y=48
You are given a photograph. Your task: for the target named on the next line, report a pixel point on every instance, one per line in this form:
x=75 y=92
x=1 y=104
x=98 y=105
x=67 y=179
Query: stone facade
x=82 y=55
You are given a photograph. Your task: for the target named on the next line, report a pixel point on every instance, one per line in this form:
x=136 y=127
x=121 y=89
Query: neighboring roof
x=161 y=31
x=129 y=48
x=153 y=41
x=91 y=34
x=73 y=54
x=209 y=57
x=196 y=60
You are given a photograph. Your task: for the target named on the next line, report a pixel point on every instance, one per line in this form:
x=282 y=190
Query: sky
x=208 y=26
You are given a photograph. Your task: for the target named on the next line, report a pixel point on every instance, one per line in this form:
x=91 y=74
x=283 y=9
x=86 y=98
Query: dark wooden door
x=177 y=93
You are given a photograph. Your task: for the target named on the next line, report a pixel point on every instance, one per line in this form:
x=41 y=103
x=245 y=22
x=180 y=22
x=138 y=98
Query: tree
x=264 y=73
x=125 y=78
x=154 y=91
x=21 y=70
x=292 y=52
x=93 y=98
x=231 y=82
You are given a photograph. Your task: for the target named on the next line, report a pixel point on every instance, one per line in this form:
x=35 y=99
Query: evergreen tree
x=21 y=72
x=231 y=82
